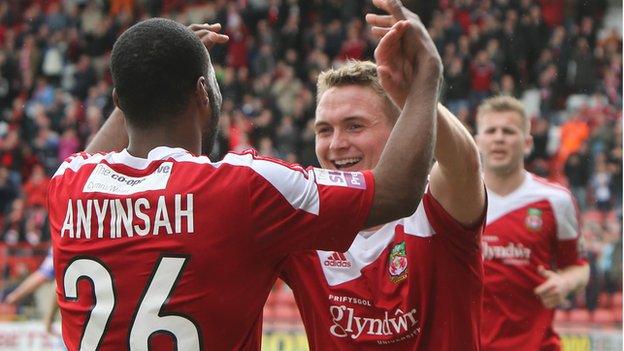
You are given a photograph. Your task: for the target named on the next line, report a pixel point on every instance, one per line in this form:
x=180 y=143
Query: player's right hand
x=406 y=56
x=209 y=34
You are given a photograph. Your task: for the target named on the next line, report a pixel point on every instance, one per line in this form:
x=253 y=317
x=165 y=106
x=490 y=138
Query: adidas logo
x=337 y=259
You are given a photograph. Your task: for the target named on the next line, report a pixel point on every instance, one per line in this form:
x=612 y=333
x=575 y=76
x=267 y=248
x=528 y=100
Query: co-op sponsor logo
x=131 y=181
x=105 y=179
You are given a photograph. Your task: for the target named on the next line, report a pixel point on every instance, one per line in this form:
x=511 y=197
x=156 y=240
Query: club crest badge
x=397 y=263
x=533 y=220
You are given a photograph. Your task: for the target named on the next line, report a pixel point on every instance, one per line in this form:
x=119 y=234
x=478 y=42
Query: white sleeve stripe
x=567 y=220
x=300 y=191
x=74 y=163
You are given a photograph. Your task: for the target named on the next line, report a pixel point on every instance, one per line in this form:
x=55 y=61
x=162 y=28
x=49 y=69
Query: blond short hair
x=353 y=72
x=504 y=103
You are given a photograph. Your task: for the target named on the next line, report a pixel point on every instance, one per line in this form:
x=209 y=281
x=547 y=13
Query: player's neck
x=142 y=141
x=504 y=183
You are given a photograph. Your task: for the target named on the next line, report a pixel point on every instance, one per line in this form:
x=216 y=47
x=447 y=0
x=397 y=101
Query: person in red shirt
x=530 y=243
x=410 y=284
x=157 y=248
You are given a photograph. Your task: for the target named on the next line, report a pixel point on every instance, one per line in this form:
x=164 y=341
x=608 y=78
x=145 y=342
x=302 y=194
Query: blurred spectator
x=578 y=171
x=36 y=188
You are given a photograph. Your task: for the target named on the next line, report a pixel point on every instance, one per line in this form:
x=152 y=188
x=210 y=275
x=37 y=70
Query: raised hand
x=209 y=34
x=406 y=56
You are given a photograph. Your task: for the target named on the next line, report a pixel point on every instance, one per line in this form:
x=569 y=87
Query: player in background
x=414 y=283
x=530 y=243
x=156 y=248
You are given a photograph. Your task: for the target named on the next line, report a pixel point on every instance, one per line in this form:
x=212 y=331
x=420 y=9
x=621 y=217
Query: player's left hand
x=554 y=290
x=209 y=34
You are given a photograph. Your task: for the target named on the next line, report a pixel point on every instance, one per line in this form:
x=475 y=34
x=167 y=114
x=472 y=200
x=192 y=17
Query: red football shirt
x=176 y=249
x=534 y=226
x=415 y=284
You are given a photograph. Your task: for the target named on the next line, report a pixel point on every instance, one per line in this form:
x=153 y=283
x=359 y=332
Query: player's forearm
x=455 y=179
x=576 y=276
x=455 y=150
x=402 y=171
x=30 y=284
x=112 y=136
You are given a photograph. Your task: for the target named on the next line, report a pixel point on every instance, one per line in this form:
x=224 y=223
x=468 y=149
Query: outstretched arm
x=30 y=284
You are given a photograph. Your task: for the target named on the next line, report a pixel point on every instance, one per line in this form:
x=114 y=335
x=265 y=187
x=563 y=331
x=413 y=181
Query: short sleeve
x=462 y=240
x=292 y=208
x=568 y=233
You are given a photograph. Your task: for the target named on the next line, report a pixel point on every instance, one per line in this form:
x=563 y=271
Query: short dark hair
x=155 y=66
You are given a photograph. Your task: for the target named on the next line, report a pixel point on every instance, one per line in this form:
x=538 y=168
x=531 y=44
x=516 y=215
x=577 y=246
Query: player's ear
x=116 y=98
x=528 y=144
x=201 y=92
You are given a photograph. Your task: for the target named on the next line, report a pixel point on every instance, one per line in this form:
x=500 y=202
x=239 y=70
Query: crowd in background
x=556 y=55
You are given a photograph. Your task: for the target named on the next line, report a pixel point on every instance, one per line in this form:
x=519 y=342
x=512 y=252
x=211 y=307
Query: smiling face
x=352 y=126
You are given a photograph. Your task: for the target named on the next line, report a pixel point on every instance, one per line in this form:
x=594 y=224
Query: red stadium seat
x=604 y=300
x=285 y=297
x=8 y=312
x=286 y=314
x=616 y=300
x=579 y=315
x=617 y=315
x=603 y=316
x=561 y=316
x=269 y=314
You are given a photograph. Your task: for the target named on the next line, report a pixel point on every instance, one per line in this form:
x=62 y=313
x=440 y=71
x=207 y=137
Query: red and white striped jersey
x=414 y=284
x=536 y=225
x=178 y=252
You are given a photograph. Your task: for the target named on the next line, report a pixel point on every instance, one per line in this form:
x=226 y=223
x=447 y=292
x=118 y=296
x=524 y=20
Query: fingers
x=209 y=38
x=215 y=37
x=215 y=27
x=393 y=7
x=379 y=32
x=544 y=288
x=380 y=20
x=545 y=272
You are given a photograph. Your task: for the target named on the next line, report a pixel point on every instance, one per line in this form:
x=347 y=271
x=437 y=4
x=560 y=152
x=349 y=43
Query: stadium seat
x=617 y=315
x=616 y=300
x=579 y=315
x=604 y=300
x=603 y=316
x=8 y=312
x=285 y=297
x=561 y=316
x=286 y=314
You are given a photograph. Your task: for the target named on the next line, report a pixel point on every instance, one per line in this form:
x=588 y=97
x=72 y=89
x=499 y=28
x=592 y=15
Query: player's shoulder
x=251 y=159
x=77 y=160
x=555 y=193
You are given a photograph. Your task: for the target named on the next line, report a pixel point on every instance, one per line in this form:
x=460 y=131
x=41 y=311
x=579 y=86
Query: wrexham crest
x=533 y=220
x=397 y=263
